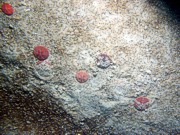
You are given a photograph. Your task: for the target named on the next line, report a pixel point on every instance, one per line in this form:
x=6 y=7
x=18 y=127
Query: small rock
x=56 y=86
x=145 y=27
x=21 y=3
x=28 y=122
x=148 y=72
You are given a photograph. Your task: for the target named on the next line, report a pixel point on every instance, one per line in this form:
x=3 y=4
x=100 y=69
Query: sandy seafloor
x=140 y=36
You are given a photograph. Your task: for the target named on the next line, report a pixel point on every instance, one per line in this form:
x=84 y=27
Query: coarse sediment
x=141 y=38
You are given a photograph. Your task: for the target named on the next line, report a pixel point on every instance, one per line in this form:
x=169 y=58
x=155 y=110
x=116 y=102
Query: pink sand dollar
x=41 y=52
x=141 y=103
x=7 y=9
x=82 y=76
x=103 y=61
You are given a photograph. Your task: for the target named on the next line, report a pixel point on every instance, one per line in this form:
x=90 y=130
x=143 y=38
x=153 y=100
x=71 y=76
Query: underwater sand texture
x=140 y=37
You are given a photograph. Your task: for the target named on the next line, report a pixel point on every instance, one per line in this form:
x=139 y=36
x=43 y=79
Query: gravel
x=141 y=39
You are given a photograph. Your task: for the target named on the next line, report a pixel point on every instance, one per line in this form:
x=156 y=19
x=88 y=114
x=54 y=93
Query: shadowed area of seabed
x=28 y=114
x=171 y=6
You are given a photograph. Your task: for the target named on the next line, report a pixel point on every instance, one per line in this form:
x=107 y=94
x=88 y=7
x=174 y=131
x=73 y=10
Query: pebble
x=28 y=122
x=56 y=86
x=21 y=3
x=148 y=72
x=145 y=27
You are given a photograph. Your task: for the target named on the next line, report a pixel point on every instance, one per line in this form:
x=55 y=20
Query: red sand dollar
x=141 y=103
x=7 y=9
x=82 y=76
x=41 y=52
